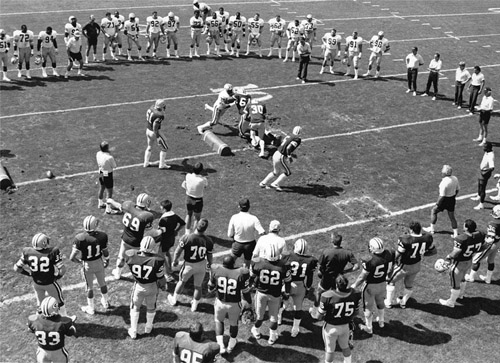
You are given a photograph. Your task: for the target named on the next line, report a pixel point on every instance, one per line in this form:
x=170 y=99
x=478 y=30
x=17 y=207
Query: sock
x=149 y=318
x=369 y=319
x=296 y=324
x=134 y=319
x=455 y=231
x=462 y=289
x=280 y=179
x=390 y=294
x=220 y=340
x=454 y=295
x=147 y=156
x=347 y=359
x=406 y=295
x=163 y=156
x=232 y=343
x=90 y=303
x=268 y=178
x=381 y=315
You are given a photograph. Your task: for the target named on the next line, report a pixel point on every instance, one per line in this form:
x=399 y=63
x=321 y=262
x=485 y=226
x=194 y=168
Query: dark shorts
x=92 y=42
x=447 y=203
x=107 y=181
x=484 y=117
x=167 y=244
x=75 y=56
x=245 y=249
x=194 y=204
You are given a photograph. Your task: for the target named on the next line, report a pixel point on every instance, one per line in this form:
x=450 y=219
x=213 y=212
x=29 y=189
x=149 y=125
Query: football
x=441 y=265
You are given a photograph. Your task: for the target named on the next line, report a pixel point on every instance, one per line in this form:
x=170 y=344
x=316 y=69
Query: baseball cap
x=274 y=226
x=244 y=203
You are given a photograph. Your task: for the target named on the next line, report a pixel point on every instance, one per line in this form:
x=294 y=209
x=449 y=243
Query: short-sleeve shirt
x=154 y=24
x=196 y=247
x=23 y=40
x=202 y=352
x=4 y=44
x=74 y=45
x=42 y=263
x=196 y=23
x=333 y=262
x=51 y=332
x=378 y=45
x=294 y=30
x=309 y=26
x=258 y=113
x=255 y=25
x=378 y=267
x=105 y=162
x=493 y=230
x=339 y=307
x=244 y=227
x=195 y=185
x=276 y=26
x=353 y=45
x=270 y=276
x=332 y=41
x=449 y=186
x=268 y=239
x=237 y=25
x=110 y=26
x=132 y=27
x=230 y=283
x=477 y=79
x=135 y=222
x=91 y=244
x=170 y=221
x=242 y=102
x=171 y=24
x=47 y=40
x=70 y=29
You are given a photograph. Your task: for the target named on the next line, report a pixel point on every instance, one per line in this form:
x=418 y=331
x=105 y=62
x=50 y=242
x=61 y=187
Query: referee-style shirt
x=303 y=49
x=106 y=162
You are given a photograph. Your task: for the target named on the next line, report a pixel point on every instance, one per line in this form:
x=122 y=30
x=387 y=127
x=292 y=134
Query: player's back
x=468 y=245
x=301 y=266
x=242 y=102
x=230 y=283
x=378 y=266
x=135 y=221
x=270 y=275
x=91 y=244
x=144 y=267
x=190 y=351
x=413 y=247
x=153 y=115
x=289 y=144
x=340 y=307
x=42 y=263
x=258 y=113
x=50 y=332
x=196 y=247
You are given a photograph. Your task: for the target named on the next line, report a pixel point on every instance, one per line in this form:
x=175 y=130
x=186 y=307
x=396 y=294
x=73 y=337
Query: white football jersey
x=4 y=44
x=353 y=44
x=224 y=19
x=121 y=21
x=331 y=41
x=224 y=99
x=47 y=40
x=379 y=45
x=255 y=25
x=309 y=27
x=23 y=40
x=277 y=26
x=212 y=24
x=109 y=26
x=237 y=25
x=132 y=27
x=154 y=24
x=171 y=24
x=294 y=31
x=196 y=23
x=70 y=29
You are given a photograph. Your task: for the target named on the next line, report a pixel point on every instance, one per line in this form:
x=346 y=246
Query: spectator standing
x=462 y=76
x=485 y=170
x=243 y=228
x=434 y=68
x=172 y=224
x=476 y=86
x=304 y=51
x=91 y=31
x=194 y=185
x=106 y=163
x=413 y=61
x=485 y=110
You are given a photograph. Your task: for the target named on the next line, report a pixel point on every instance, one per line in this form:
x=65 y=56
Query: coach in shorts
x=194 y=185
x=106 y=163
x=243 y=228
x=74 y=49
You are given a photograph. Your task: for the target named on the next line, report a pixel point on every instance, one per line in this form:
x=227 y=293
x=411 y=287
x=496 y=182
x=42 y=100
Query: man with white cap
x=281 y=158
x=74 y=49
x=272 y=238
x=378 y=46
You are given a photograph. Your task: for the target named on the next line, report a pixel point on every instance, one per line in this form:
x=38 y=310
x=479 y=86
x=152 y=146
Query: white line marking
x=426 y=23
x=385 y=9
x=398 y=60
x=358 y=222
x=448 y=32
x=473 y=41
x=436 y=27
x=376 y=6
x=291 y=12
x=486 y=46
x=497 y=51
x=443 y=77
x=378 y=204
x=415 y=20
x=350 y=133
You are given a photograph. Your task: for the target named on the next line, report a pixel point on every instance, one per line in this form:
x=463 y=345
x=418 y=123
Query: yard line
x=209 y=94
x=358 y=222
x=349 y=133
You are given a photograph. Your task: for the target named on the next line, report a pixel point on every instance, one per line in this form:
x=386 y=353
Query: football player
x=352 y=53
x=242 y=101
x=281 y=158
x=171 y=23
x=4 y=49
x=90 y=250
x=302 y=266
x=309 y=25
x=154 y=29
x=294 y=31
x=203 y=8
x=237 y=25
x=23 y=48
x=44 y=265
x=411 y=247
x=338 y=308
x=269 y=275
x=131 y=31
x=255 y=26
x=48 y=44
x=373 y=278
x=191 y=347
x=74 y=50
x=196 y=23
x=257 y=126
x=277 y=29
x=229 y=284
x=224 y=101
x=197 y=248
x=331 y=41
x=488 y=251
x=214 y=31
x=109 y=26
x=136 y=220
x=224 y=21
x=155 y=116
x=378 y=46
x=147 y=269
x=121 y=24
x=51 y=329
x=71 y=27
x=460 y=260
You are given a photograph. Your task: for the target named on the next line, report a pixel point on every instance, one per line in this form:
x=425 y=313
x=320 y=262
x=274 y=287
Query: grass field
x=370 y=162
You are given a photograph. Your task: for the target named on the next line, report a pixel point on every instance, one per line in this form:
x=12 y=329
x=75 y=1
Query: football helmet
x=271 y=253
x=376 y=245
x=131 y=16
x=143 y=200
x=228 y=87
x=297 y=130
x=441 y=265
x=148 y=245
x=300 y=246
x=38 y=59
x=240 y=91
x=71 y=18
x=14 y=59
x=381 y=33
x=40 y=241
x=248 y=316
x=90 y=223
x=228 y=262
x=160 y=104
x=2 y=33
x=495 y=213
x=49 y=307
x=171 y=14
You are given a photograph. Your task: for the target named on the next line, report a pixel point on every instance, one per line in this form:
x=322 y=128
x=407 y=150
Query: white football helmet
x=228 y=87
x=2 y=33
x=148 y=245
x=90 y=223
x=300 y=246
x=240 y=91
x=495 y=213
x=131 y=16
x=40 y=241
x=297 y=130
x=49 y=307
x=38 y=60
x=160 y=104
x=171 y=14
x=376 y=245
x=441 y=265
x=271 y=252
x=143 y=200
x=14 y=59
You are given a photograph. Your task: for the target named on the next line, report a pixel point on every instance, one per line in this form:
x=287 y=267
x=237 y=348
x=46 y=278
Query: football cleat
x=148 y=328
x=399 y=300
x=132 y=333
x=171 y=300
x=295 y=332
x=256 y=333
x=40 y=241
x=88 y=310
x=90 y=223
x=231 y=345
x=297 y=130
x=49 y=307
x=446 y=303
x=273 y=337
x=376 y=245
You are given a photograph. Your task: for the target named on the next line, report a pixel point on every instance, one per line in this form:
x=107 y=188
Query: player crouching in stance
x=229 y=283
x=90 y=250
x=378 y=46
x=338 y=308
x=257 y=126
x=331 y=41
x=460 y=260
x=191 y=347
x=373 y=278
x=302 y=268
x=147 y=269
x=154 y=117
x=281 y=157
x=488 y=251
x=224 y=101
x=74 y=50
x=50 y=329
